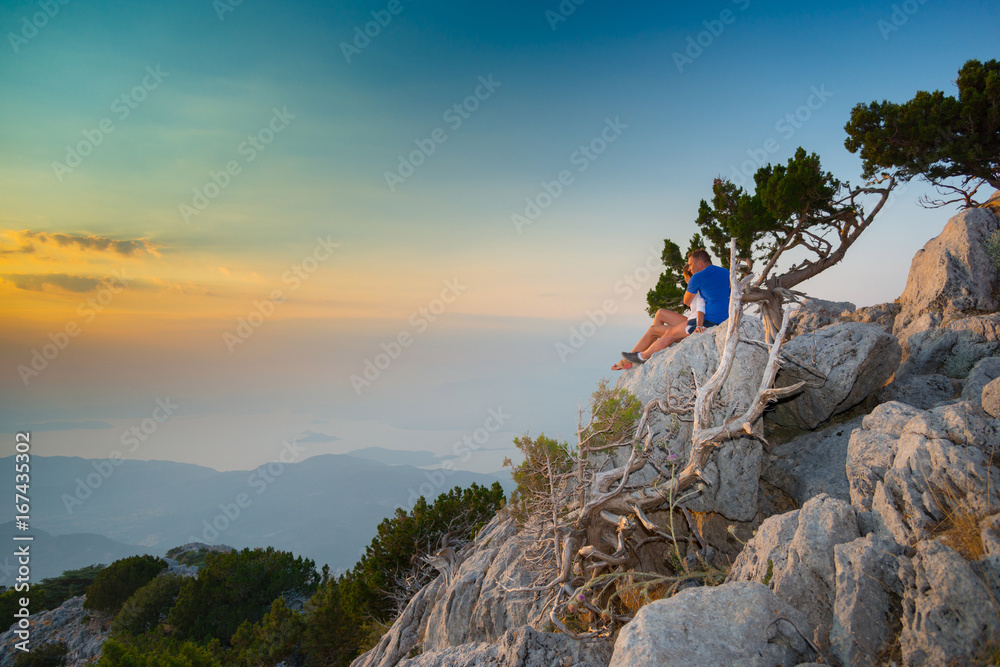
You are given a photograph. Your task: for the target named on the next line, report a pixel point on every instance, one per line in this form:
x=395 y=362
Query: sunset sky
x=232 y=209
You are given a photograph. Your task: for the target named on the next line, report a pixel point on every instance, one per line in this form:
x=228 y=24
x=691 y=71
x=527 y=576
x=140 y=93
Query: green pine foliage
x=156 y=649
x=543 y=457
x=46 y=655
x=148 y=606
x=411 y=533
x=116 y=583
x=235 y=587
x=49 y=593
x=938 y=137
x=277 y=638
x=331 y=637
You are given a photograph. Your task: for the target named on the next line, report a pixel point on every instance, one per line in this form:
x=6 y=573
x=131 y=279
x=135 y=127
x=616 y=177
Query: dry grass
x=960 y=531
x=960 y=528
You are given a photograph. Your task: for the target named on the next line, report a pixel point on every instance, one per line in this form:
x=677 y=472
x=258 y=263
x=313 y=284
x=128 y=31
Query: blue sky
x=681 y=94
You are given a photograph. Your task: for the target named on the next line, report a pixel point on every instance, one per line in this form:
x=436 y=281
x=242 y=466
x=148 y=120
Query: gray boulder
x=872 y=449
x=883 y=314
x=733 y=473
x=943 y=461
x=950 y=277
x=985 y=371
x=471 y=605
x=949 y=610
x=815 y=314
x=867 y=603
x=732 y=624
x=65 y=623
x=856 y=359
x=953 y=349
x=521 y=647
x=920 y=391
x=794 y=554
x=991 y=399
x=813 y=463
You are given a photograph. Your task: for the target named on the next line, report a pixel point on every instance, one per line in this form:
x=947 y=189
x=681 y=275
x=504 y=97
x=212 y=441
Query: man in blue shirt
x=712 y=282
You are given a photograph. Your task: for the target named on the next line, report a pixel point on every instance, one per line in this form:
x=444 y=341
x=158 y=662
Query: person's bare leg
x=673 y=334
x=662 y=322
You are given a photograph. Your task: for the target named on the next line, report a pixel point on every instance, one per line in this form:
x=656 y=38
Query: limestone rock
x=920 y=391
x=815 y=314
x=949 y=611
x=872 y=449
x=953 y=349
x=794 y=552
x=63 y=624
x=813 y=463
x=943 y=460
x=729 y=624
x=856 y=360
x=867 y=603
x=985 y=371
x=471 y=606
x=521 y=647
x=991 y=399
x=733 y=473
x=883 y=314
x=950 y=276
x=990 y=534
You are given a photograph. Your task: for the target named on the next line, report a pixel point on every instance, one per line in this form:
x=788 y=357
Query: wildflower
x=581 y=597
x=672 y=458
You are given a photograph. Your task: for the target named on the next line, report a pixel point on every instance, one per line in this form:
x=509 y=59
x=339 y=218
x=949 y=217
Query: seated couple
x=707 y=296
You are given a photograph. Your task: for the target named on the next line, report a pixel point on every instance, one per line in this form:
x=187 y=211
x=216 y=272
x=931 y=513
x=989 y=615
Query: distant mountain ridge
x=326 y=507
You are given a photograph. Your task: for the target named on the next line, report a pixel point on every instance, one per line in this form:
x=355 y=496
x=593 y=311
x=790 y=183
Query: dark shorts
x=693 y=324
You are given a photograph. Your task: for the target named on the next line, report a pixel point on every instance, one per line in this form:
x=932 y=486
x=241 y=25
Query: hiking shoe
x=633 y=357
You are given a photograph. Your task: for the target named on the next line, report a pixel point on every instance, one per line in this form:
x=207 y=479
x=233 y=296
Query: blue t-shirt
x=713 y=284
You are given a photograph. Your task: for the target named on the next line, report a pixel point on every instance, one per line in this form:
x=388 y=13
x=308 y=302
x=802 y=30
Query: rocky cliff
x=872 y=497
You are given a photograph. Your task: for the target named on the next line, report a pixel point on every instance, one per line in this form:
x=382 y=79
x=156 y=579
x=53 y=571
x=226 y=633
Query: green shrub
x=148 y=606
x=157 y=650
x=192 y=557
x=330 y=637
x=46 y=655
x=235 y=587
x=50 y=593
x=116 y=583
x=277 y=638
